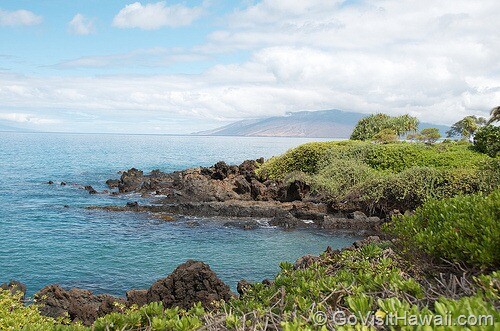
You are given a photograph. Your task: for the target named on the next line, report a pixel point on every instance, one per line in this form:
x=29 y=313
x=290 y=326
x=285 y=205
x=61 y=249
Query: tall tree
x=369 y=126
x=404 y=124
x=429 y=135
x=494 y=115
x=466 y=127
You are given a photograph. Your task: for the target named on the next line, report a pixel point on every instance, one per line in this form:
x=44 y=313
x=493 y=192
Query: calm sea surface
x=43 y=242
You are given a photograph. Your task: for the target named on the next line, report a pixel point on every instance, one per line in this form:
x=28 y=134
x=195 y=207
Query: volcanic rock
x=191 y=282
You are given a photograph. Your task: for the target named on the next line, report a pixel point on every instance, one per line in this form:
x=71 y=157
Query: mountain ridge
x=332 y=123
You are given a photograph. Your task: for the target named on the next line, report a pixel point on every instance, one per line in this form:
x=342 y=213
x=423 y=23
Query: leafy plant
x=461 y=229
x=369 y=127
x=487 y=140
x=466 y=127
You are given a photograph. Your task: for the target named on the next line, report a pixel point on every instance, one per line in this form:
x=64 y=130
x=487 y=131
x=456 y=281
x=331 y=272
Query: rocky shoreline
x=234 y=192
x=191 y=283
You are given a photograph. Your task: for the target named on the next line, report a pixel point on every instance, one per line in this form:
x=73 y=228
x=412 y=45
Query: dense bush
x=380 y=178
x=461 y=229
x=487 y=140
x=304 y=158
x=340 y=175
x=312 y=157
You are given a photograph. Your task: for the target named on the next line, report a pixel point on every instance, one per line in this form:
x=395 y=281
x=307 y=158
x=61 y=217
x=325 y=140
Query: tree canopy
x=466 y=127
x=494 y=115
x=368 y=127
x=428 y=136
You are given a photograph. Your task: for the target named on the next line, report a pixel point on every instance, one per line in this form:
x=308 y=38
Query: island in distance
x=312 y=124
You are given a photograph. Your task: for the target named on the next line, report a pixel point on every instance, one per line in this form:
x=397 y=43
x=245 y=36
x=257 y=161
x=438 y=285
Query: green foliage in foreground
x=154 y=316
x=14 y=315
x=369 y=281
x=461 y=229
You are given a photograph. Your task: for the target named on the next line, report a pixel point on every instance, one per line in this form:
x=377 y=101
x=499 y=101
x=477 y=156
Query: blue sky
x=183 y=66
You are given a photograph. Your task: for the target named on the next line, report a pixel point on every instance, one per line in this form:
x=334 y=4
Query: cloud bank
x=434 y=60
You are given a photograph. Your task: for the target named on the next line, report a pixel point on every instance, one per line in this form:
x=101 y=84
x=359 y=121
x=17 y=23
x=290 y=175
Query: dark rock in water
x=66 y=206
x=305 y=261
x=131 y=180
x=361 y=222
x=14 y=287
x=90 y=189
x=245 y=225
x=243 y=286
x=134 y=204
x=287 y=221
x=50 y=182
x=63 y=183
x=137 y=297
x=80 y=305
x=192 y=224
x=191 y=282
x=113 y=183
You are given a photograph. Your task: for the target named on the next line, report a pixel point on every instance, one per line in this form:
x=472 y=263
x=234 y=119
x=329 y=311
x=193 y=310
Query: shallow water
x=47 y=235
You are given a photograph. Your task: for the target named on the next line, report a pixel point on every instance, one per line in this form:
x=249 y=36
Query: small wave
x=264 y=223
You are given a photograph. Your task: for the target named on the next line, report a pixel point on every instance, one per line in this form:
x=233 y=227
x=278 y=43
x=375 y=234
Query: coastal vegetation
x=466 y=127
x=435 y=259
x=383 y=177
x=374 y=126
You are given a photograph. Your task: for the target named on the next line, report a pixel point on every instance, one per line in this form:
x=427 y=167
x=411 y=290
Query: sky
x=184 y=66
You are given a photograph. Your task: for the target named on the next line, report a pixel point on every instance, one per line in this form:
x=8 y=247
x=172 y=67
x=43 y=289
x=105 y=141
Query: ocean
x=49 y=237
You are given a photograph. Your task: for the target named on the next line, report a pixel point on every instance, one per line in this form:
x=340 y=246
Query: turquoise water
x=47 y=235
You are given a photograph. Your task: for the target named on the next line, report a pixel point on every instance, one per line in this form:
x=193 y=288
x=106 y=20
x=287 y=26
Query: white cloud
x=80 y=25
x=154 y=57
x=19 y=18
x=435 y=60
x=156 y=15
x=27 y=118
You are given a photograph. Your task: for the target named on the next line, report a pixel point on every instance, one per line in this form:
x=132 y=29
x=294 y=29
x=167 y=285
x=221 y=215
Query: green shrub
x=312 y=157
x=461 y=229
x=152 y=317
x=385 y=136
x=388 y=176
x=14 y=315
x=487 y=140
x=339 y=176
x=489 y=175
x=397 y=157
x=304 y=158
